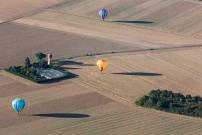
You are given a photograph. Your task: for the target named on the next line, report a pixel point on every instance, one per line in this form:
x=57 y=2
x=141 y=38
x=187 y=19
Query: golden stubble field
x=106 y=97
x=103 y=103
x=11 y=9
x=131 y=75
x=176 y=16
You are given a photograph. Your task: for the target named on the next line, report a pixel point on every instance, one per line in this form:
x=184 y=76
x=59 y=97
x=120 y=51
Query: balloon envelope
x=18 y=104
x=102 y=64
x=103 y=13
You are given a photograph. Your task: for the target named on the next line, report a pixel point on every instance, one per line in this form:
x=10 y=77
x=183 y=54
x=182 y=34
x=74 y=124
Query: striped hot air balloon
x=18 y=104
x=103 y=13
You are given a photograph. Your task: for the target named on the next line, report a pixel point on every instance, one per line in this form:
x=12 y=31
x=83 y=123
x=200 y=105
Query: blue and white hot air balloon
x=103 y=13
x=18 y=104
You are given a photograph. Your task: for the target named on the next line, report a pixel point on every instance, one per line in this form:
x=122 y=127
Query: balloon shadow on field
x=62 y=115
x=135 y=22
x=138 y=74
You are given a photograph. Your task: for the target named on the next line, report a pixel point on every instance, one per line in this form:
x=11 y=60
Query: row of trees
x=30 y=69
x=172 y=102
x=40 y=63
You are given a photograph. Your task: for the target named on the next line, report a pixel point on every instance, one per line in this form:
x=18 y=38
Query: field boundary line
x=160 y=49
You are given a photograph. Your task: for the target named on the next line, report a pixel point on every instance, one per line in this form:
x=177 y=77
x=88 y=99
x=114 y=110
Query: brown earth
x=131 y=75
x=11 y=9
x=49 y=107
x=103 y=103
x=19 y=41
x=176 y=16
x=52 y=108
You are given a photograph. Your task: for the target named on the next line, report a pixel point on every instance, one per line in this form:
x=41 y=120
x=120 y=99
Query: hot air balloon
x=18 y=104
x=102 y=64
x=103 y=13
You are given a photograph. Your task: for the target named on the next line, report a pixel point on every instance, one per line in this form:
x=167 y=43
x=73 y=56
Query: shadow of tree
x=70 y=62
x=62 y=115
x=138 y=74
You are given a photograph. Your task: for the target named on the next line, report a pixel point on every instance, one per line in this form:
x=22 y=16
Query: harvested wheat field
x=11 y=9
x=64 y=37
x=49 y=107
x=131 y=75
x=75 y=107
x=177 y=16
x=19 y=41
x=159 y=46
x=81 y=25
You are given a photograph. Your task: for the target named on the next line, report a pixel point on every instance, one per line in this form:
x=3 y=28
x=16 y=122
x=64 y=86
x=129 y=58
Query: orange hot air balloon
x=102 y=64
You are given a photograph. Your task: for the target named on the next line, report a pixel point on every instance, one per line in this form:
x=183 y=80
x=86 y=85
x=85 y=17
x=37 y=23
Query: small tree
x=40 y=56
x=27 y=62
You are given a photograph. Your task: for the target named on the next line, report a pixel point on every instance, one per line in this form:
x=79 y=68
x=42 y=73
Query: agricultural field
x=129 y=76
x=21 y=41
x=149 y=44
x=176 y=16
x=11 y=9
x=138 y=73
x=44 y=110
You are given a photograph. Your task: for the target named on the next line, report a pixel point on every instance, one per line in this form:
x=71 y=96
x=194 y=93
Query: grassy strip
x=168 y=101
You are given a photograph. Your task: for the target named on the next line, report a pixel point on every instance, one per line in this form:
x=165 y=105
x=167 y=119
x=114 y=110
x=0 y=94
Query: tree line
x=169 y=101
